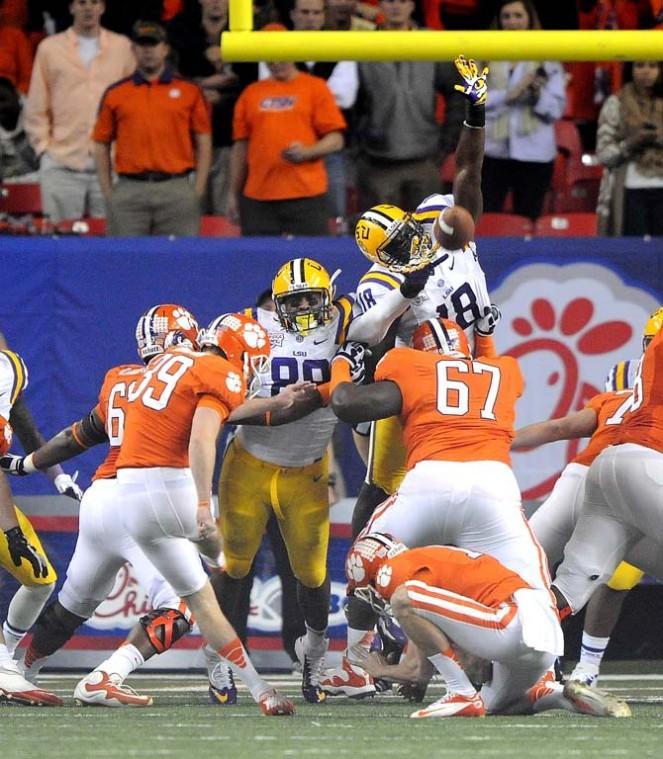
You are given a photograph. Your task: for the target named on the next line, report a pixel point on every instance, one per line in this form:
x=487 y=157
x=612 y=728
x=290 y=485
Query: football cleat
x=348 y=680
x=15 y=689
x=101 y=689
x=595 y=702
x=275 y=704
x=313 y=663
x=585 y=675
x=453 y=705
x=222 y=688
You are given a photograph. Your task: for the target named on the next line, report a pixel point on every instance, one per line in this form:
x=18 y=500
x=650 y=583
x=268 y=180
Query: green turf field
x=183 y=724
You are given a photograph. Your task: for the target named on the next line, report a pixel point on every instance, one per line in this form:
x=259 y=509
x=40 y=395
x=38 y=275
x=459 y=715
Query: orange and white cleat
x=348 y=680
x=275 y=704
x=102 y=689
x=595 y=702
x=453 y=705
x=15 y=689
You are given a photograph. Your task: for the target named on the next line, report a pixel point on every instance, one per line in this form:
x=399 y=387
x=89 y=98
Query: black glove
x=415 y=282
x=355 y=354
x=20 y=549
x=486 y=324
x=13 y=465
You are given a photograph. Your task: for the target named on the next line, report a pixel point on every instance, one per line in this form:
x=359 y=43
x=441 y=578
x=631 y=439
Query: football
x=454 y=228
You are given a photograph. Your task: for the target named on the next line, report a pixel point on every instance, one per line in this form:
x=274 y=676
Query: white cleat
x=102 y=689
x=348 y=680
x=584 y=675
x=595 y=702
x=222 y=688
x=453 y=705
x=15 y=689
x=313 y=663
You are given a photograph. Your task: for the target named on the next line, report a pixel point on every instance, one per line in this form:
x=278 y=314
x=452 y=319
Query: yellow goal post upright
x=241 y=43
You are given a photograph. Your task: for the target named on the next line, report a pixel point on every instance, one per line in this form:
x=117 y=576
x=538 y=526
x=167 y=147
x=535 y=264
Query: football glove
x=14 y=465
x=66 y=485
x=20 y=549
x=415 y=282
x=355 y=354
x=475 y=88
x=486 y=324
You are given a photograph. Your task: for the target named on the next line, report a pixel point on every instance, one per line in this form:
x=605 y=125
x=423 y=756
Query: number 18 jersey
x=454 y=409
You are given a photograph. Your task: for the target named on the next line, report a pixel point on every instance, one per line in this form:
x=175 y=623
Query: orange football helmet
x=441 y=336
x=165 y=326
x=244 y=343
x=363 y=563
x=5 y=436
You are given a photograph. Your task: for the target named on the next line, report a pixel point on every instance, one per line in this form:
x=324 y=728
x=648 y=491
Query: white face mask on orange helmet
x=441 y=336
x=165 y=326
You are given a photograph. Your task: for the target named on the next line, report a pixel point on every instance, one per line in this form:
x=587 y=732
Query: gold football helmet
x=303 y=293
x=389 y=236
x=653 y=325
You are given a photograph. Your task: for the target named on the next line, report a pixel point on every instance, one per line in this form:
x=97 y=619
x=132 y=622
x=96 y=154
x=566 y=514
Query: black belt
x=155 y=176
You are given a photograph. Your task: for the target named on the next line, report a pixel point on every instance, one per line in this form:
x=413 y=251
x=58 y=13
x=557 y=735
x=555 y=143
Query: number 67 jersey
x=454 y=408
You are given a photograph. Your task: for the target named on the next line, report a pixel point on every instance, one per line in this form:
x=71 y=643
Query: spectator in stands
x=15 y=54
x=526 y=98
x=343 y=80
x=194 y=36
x=342 y=16
x=17 y=158
x=401 y=146
x=630 y=146
x=161 y=129
x=71 y=71
x=283 y=128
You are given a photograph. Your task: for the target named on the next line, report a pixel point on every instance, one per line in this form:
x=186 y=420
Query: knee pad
x=163 y=627
x=53 y=628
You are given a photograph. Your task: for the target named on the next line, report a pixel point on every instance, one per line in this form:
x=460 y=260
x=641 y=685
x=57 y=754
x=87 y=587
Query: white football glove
x=355 y=354
x=485 y=326
x=66 y=485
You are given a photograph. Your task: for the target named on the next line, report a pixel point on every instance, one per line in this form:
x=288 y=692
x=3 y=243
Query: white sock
x=238 y=659
x=454 y=675
x=12 y=636
x=24 y=608
x=123 y=661
x=359 y=641
x=5 y=656
x=315 y=639
x=592 y=650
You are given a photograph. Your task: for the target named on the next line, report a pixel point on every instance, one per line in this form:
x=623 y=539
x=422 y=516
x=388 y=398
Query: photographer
x=630 y=147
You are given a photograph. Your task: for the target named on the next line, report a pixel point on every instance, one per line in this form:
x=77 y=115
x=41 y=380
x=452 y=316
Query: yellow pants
x=625 y=577
x=250 y=489
x=24 y=574
x=386 y=458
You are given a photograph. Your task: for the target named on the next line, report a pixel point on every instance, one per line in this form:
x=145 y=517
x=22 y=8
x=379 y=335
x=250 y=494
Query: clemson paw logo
x=255 y=336
x=354 y=568
x=184 y=319
x=234 y=382
x=383 y=577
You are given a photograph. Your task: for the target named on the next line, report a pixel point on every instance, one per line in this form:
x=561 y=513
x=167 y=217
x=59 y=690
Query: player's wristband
x=475 y=116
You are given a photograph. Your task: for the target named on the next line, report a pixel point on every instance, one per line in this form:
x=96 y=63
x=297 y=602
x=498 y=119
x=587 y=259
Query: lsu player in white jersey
x=284 y=471
x=21 y=553
x=452 y=286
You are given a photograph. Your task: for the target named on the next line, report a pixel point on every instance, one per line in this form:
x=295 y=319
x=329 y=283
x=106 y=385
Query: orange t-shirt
x=161 y=407
x=152 y=123
x=454 y=409
x=6 y=435
x=469 y=574
x=643 y=423
x=15 y=57
x=111 y=408
x=604 y=405
x=270 y=115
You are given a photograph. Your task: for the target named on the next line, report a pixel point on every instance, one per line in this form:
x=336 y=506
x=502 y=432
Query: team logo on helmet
x=441 y=336
x=303 y=294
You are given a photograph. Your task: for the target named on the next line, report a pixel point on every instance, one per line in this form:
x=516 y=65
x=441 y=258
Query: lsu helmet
x=441 y=336
x=164 y=326
x=653 y=325
x=244 y=343
x=363 y=563
x=389 y=236
x=303 y=293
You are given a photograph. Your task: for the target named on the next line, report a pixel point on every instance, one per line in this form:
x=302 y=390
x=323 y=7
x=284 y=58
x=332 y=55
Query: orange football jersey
x=111 y=408
x=454 y=409
x=643 y=423
x=606 y=406
x=161 y=406
x=5 y=435
x=472 y=575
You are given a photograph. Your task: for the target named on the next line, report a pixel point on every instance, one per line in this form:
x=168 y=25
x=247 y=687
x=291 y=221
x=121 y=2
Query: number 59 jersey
x=454 y=409
x=297 y=357
x=456 y=289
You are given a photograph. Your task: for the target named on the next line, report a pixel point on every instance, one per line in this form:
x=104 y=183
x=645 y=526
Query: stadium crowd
x=376 y=132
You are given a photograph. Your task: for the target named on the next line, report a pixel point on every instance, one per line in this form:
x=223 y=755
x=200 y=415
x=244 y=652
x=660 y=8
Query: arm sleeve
x=37 y=121
x=371 y=326
x=610 y=149
x=327 y=116
x=200 y=118
x=552 y=99
x=344 y=83
x=104 y=129
x=241 y=127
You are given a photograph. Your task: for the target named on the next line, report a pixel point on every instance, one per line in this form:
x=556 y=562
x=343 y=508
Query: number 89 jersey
x=455 y=290
x=297 y=357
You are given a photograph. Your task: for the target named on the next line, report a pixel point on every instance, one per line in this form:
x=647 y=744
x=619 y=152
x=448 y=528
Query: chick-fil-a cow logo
x=567 y=326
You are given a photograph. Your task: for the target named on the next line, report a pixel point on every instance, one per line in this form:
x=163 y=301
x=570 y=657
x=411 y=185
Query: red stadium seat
x=88 y=227
x=503 y=225
x=20 y=198
x=218 y=226
x=566 y=225
x=448 y=171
